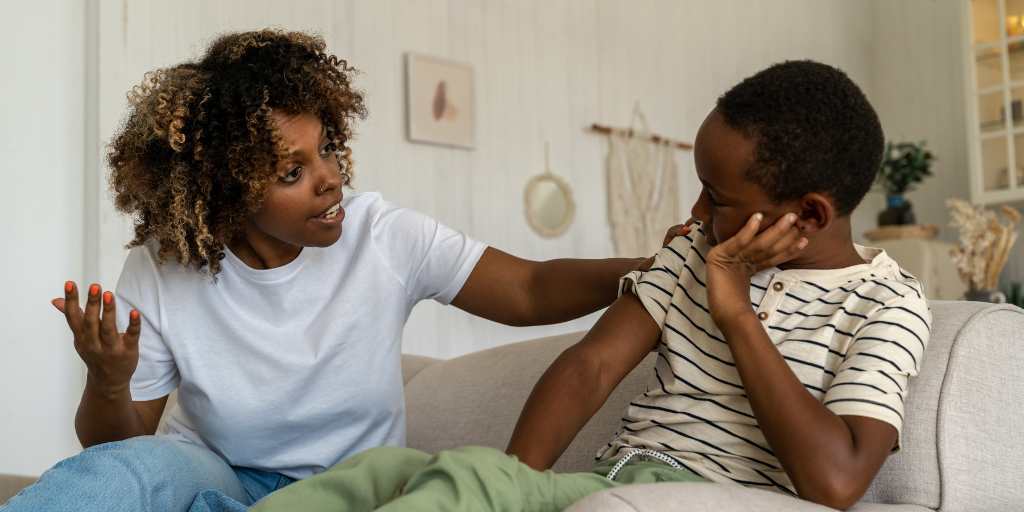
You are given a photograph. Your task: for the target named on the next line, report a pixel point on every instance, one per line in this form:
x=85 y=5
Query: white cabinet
x=929 y=262
x=994 y=51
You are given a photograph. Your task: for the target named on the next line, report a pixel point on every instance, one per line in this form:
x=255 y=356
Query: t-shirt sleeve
x=431 y=260
x=656 y=286
x=138 y=288
x=886 y=351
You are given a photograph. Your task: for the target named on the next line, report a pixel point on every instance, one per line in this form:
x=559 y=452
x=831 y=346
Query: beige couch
x=963 y=449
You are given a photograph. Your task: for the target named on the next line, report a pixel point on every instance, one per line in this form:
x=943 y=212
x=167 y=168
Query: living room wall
x=917 y=86
x=41 y=139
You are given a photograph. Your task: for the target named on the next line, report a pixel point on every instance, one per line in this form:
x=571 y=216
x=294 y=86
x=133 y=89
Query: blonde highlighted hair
x=198 y=148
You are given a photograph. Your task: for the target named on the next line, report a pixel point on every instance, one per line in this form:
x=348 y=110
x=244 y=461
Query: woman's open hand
x=110 y=356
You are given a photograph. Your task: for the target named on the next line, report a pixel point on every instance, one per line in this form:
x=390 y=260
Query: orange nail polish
x=134 y=315
x=107 y=297
x=68 y=286
x=94 y=289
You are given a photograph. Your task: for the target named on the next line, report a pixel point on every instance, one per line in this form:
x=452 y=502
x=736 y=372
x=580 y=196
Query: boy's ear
x=816 y=212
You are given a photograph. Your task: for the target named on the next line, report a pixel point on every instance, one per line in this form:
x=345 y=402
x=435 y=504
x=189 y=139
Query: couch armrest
x=961 y=450
x=980 y=414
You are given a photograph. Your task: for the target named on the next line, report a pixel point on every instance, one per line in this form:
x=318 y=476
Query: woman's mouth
x=331 y=216
x=331 y=212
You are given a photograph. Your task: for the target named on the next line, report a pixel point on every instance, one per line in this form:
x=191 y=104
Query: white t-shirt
x=295 y=368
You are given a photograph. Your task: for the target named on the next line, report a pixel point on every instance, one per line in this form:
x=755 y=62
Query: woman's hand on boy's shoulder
x=674 y=231
x=730 y=264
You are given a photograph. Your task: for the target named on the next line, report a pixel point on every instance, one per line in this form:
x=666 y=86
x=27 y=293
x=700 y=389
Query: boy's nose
x=700 y=210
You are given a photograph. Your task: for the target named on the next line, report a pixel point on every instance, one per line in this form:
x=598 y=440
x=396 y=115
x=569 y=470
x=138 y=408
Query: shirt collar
x=876 y=262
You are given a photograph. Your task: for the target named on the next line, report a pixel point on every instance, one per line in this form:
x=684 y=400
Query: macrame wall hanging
x=643 y=186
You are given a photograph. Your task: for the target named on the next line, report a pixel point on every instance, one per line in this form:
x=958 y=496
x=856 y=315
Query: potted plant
x=903 y=165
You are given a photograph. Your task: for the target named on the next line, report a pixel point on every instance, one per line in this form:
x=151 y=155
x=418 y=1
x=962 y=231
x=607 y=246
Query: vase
x=987 y=295
x=898 y=211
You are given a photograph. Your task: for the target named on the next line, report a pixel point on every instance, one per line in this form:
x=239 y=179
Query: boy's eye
x=711 y=198
x=292 y=176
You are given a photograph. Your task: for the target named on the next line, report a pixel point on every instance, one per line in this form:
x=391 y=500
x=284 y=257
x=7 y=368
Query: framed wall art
x=439 y=101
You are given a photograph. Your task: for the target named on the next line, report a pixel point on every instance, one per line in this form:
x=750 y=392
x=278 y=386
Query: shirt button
x=778 y=287
x=762 y=316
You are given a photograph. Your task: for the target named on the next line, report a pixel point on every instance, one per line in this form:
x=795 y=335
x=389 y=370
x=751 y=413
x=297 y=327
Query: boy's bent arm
x=830 y=459
x=579 y=381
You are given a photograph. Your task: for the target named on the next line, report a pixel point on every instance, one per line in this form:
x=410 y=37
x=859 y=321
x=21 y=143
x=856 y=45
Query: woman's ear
x=816 y=212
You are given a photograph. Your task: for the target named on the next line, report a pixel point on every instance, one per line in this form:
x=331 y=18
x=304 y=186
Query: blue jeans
x=146 y=474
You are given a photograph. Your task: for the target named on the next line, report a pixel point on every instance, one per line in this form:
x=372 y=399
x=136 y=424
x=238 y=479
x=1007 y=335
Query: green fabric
x=470 y=478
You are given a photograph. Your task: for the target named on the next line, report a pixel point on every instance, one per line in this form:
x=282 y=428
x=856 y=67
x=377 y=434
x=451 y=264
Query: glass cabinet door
x=997 y=45
x=1014 y=25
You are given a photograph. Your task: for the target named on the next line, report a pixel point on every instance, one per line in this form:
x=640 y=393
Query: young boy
x=784 y=349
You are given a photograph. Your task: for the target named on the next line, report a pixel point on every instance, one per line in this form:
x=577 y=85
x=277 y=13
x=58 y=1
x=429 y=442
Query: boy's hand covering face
x=731 y=263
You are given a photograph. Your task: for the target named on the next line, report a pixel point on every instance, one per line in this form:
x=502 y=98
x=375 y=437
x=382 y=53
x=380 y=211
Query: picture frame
x=440 y=101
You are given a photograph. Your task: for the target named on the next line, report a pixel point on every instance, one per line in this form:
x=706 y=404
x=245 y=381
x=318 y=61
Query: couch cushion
x=12 y=484
x=412 y=365
x=708 y=497
x=476 y=399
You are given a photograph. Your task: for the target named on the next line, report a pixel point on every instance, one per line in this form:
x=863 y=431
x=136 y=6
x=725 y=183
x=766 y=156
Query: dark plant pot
x=994 y=296
x=899 y=212
x=1016 y=294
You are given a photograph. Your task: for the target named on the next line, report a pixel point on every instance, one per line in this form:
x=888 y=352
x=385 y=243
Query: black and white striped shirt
x=852 y=336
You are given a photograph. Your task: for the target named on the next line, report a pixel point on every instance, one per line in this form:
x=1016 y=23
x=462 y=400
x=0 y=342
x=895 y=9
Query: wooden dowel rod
x=656 y=138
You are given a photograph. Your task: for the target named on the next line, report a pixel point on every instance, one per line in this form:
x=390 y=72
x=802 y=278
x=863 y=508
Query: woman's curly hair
x=198 y=149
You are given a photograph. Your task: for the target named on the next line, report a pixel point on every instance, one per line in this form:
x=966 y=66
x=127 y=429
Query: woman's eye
x=329 y=149
x=292 y=176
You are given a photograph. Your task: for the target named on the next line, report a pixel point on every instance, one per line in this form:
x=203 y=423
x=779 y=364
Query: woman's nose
x=330 y=179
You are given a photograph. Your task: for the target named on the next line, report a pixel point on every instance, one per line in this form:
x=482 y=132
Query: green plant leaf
x=903 y=165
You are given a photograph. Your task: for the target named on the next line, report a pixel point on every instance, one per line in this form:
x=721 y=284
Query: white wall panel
x=41 y=235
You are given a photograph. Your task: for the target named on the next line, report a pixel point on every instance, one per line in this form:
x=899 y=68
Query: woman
x=280 y=333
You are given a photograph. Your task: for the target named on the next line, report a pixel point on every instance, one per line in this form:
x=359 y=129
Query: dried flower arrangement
x=985 y=242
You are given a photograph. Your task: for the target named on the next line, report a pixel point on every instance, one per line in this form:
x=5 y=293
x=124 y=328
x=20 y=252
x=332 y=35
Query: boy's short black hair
x=815 y=132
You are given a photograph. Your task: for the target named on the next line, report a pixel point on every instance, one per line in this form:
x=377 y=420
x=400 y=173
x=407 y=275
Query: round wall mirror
x=549 y=205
